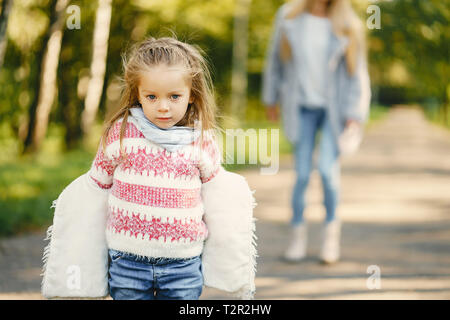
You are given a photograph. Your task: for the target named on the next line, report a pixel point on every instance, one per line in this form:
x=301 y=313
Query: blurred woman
x=316 y=70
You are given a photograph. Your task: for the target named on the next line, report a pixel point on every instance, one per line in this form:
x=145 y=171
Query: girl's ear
x=191 y=99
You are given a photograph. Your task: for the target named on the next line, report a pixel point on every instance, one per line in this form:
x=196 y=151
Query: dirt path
x=395 y=207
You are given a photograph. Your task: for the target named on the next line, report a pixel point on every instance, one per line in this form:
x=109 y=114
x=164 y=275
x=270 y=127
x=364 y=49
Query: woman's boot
x=297 y=246
x=331 y=235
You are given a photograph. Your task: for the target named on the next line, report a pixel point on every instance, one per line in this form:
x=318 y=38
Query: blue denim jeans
x=132 y=277
x=311 y=121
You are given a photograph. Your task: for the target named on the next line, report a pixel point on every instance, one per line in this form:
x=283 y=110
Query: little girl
x=155 y=153
x=175 y=219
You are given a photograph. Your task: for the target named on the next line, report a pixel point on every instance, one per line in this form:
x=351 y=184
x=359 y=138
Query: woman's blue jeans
x=311 y=121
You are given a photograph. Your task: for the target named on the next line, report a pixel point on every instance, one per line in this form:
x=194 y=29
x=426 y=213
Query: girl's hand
x=272 y=113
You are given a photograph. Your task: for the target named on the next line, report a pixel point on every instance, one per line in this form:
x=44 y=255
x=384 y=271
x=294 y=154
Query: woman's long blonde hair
x=345 y=22
x=151 y=52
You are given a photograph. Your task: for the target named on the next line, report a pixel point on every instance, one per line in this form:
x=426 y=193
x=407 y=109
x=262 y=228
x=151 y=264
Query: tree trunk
x=47 y=84
x=98 y=65
x=36 y=83
x=240 y=55
x=71 y=110
x=6 y=7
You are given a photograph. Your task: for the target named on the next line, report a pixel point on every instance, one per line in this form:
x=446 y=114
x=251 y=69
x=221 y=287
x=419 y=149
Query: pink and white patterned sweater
x=155 y=207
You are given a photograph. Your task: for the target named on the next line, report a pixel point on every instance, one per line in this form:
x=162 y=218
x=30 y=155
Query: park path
x=395 y=208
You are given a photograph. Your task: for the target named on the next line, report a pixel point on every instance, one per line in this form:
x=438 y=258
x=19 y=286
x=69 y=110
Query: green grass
x=436 y=114
x=29 y=185
x=377 y=112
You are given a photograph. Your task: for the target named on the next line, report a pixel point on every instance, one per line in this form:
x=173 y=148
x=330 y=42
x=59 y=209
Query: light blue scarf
x=171 y=139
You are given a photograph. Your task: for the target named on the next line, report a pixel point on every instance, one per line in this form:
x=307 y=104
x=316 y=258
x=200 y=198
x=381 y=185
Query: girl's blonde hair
x=345 y=22
x=170 y=51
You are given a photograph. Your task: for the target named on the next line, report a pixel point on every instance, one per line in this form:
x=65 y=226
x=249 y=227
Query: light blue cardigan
x=348 y=98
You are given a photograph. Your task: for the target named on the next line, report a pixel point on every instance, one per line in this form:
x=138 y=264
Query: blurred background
x=59 y=62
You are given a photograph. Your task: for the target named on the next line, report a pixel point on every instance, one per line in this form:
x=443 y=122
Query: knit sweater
x=155 y=207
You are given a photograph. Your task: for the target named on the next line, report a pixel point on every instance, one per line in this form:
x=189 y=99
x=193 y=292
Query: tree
x=98 y=65
x=413 y=41
x=40 y=109
x=6 y=7
x=240 y=57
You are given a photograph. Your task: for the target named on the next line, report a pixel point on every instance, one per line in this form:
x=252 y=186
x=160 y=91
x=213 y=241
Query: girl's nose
x=163 y=106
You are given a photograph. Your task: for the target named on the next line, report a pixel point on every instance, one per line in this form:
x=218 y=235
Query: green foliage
x=411 y=50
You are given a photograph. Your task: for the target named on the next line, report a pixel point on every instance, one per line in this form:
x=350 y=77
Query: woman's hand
x=352 y=123
x=272 y=113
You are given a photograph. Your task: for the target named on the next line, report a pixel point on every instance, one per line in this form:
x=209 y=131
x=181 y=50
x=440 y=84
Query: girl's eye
x=151 y=97
x=175 y=96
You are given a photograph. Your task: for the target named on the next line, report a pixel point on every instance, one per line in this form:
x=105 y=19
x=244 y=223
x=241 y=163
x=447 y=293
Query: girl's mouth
x=164 y=119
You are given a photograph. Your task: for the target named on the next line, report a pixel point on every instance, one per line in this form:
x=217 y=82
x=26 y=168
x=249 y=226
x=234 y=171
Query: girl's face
x=164 y=93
